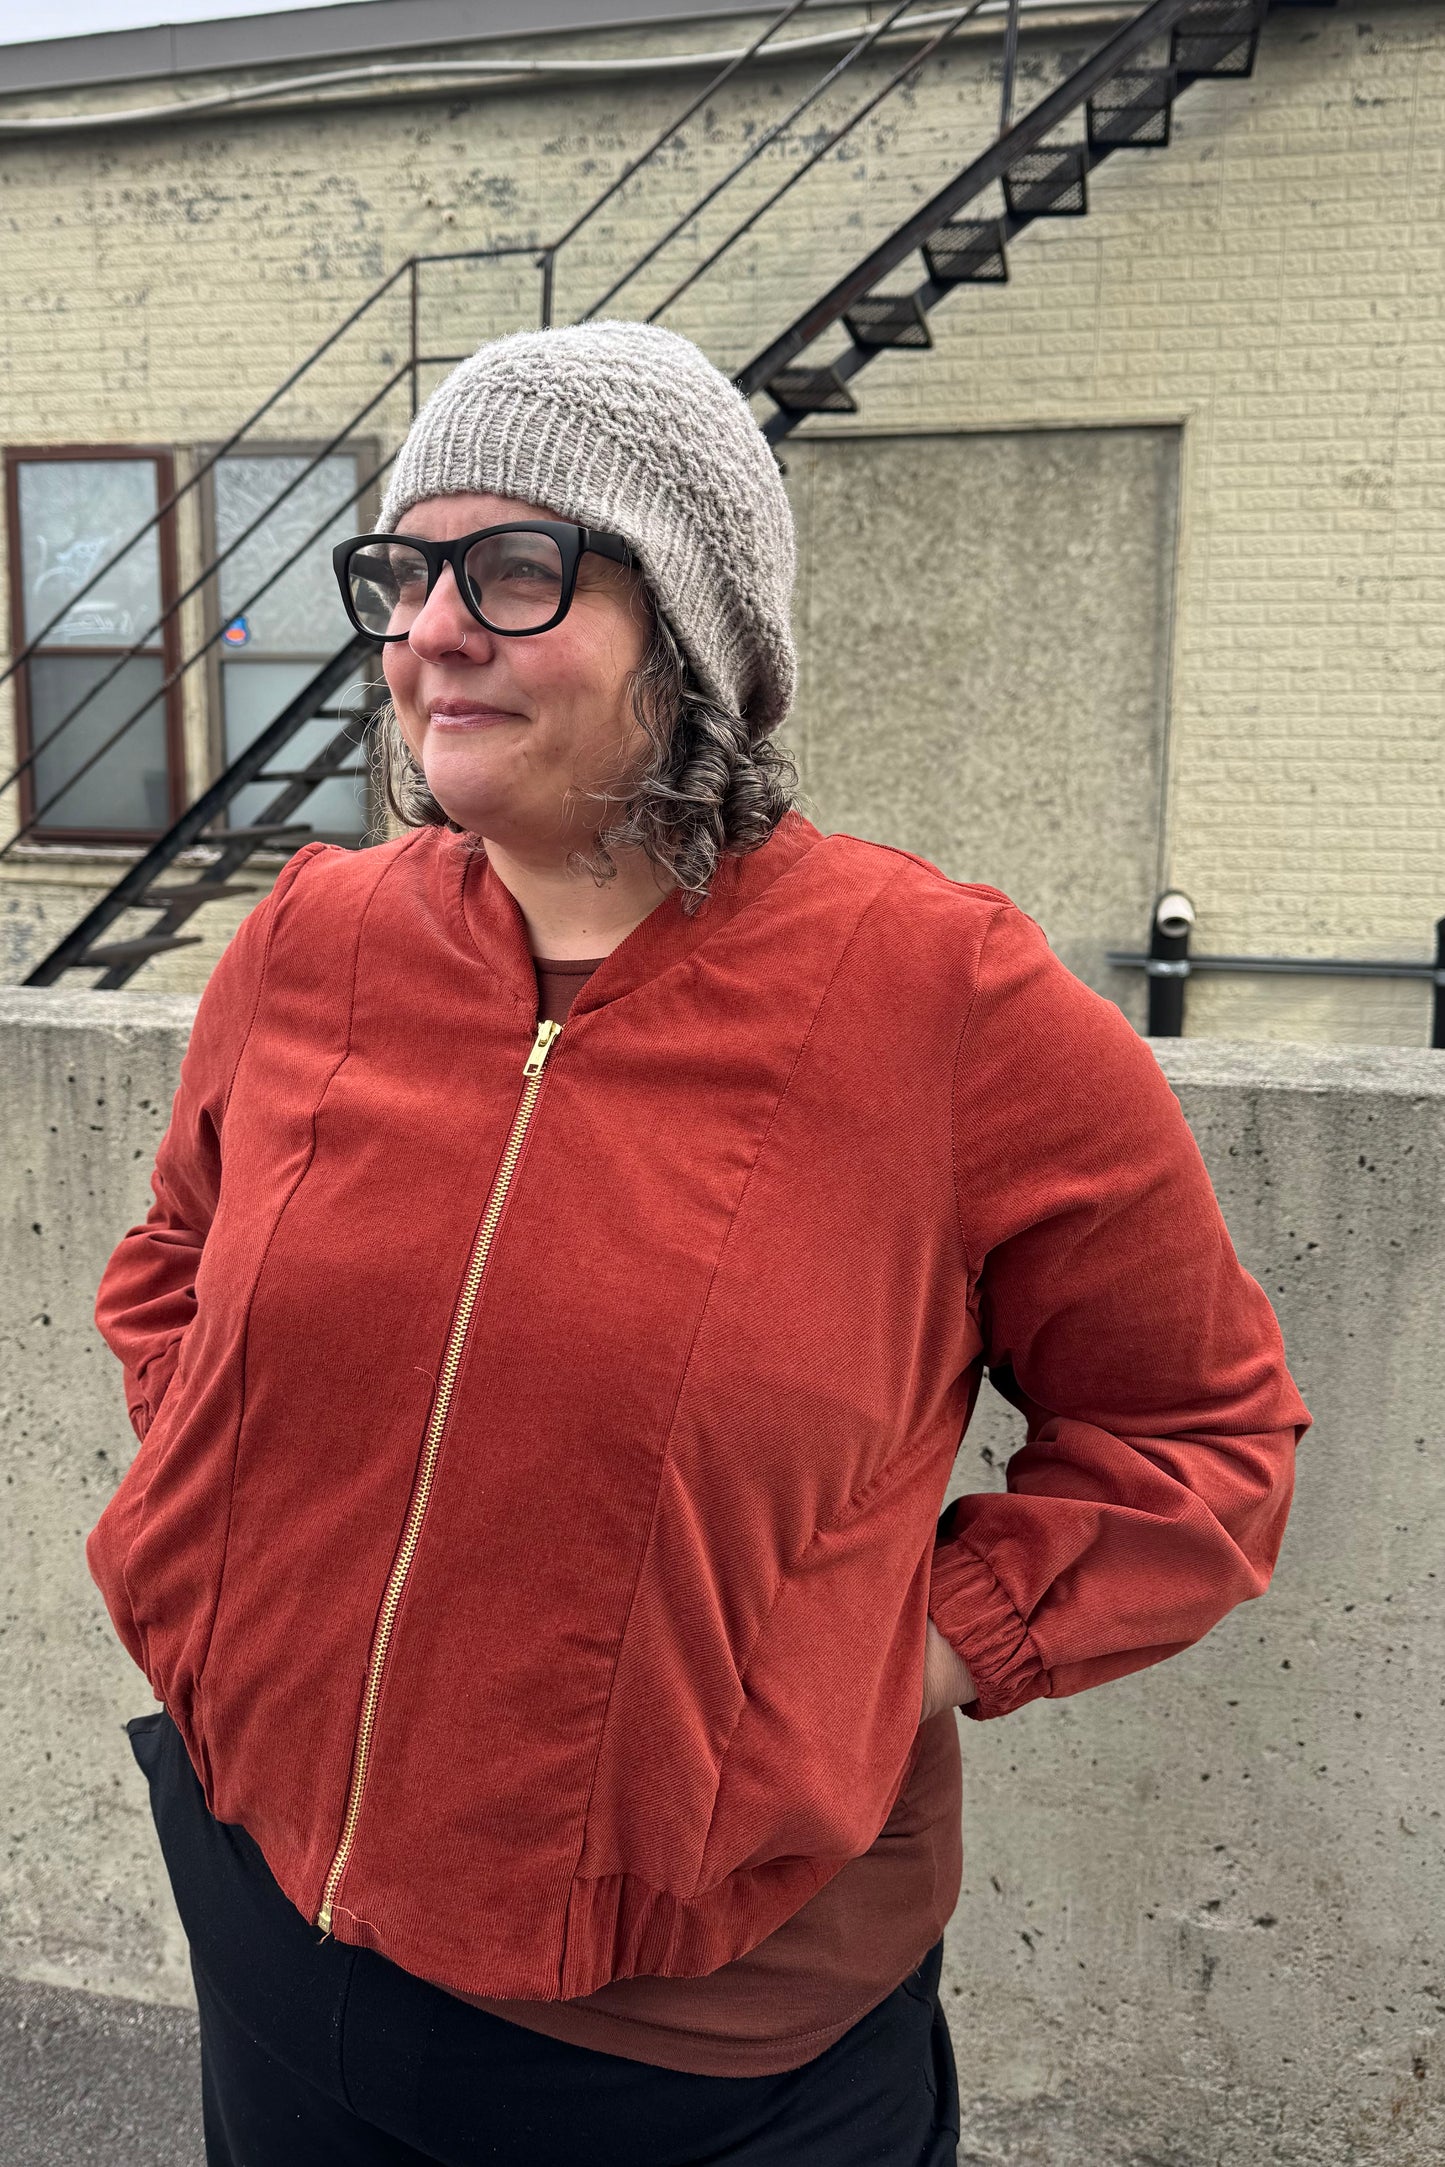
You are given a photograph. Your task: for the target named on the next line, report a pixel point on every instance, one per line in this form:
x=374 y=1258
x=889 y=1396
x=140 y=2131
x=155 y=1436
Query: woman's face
x=505 y=728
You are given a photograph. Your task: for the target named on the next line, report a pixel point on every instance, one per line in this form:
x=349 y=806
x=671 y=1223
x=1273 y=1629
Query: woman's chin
x=463 y=795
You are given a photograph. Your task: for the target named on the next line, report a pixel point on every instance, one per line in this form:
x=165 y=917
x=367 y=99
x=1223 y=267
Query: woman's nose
x=444 y=624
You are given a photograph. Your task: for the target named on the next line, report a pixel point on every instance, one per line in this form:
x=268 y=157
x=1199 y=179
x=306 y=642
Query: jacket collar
x=497 y=931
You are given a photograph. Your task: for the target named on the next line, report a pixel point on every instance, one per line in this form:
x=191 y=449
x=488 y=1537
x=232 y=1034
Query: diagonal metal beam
x=187 y=830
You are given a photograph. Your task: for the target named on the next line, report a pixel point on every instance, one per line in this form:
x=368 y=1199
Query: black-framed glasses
x=516 y=578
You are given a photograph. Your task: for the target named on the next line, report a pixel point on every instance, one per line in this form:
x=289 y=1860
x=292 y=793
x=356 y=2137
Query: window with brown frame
x=273 y=510
x=70 y=509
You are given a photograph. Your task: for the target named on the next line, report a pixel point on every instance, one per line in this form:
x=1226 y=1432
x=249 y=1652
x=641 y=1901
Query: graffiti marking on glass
x=74 y=515
x=302 y=613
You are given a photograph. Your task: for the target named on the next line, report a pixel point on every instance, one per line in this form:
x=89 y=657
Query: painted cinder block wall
x=1270 y=288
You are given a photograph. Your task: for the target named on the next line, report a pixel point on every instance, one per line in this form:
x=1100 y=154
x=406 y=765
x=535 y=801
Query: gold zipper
x=532 y=1072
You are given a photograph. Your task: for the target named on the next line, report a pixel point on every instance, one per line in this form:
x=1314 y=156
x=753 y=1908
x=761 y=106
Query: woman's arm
x=147 y=1297
x=1151 y=1495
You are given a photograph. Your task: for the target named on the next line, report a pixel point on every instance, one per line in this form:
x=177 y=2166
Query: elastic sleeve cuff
x=975 y=1616
x=146 y=1388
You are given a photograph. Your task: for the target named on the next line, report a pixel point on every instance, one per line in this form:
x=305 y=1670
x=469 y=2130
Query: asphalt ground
x=86 y=2081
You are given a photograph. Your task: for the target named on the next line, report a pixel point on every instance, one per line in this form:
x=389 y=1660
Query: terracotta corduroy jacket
x=544 y=1432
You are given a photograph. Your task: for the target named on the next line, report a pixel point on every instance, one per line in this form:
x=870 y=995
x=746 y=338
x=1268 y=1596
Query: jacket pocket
x=171 y=1564
x=828 y=1728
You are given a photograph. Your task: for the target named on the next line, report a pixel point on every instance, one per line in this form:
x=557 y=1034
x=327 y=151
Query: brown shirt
x=814 y=1976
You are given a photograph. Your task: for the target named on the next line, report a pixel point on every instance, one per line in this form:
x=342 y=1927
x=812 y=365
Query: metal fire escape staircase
x=1124 y=94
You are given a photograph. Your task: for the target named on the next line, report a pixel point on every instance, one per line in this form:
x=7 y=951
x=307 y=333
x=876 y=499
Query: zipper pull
x=541 y=1047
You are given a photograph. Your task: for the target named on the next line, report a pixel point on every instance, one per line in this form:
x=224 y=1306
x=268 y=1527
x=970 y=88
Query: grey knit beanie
x=631 y=429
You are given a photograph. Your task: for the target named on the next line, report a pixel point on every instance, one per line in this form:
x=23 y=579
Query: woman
x=580 y=1232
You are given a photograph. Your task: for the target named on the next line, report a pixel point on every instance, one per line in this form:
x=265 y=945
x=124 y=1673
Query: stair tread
x=811 y=391
x=308 y=774
x=202 y=891
x=152 y=944
x=1133 y=110
x=1048 y=182
x=272 y=828
x=888 y=319
x=967 y=251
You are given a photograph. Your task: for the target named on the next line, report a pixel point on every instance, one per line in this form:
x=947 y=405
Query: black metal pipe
x=1010 y=66
x=1168 y=965
x=1437 y=1007
x=1287 y=966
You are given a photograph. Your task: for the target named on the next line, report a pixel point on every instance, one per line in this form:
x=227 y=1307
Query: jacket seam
x=285 y=880
x=664 y=1459
x=301 y=1173
x=281 y=887
x=465 y=859
x=974 y=1271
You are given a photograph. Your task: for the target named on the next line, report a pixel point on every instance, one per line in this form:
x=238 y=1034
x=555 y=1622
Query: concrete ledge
x=1223 y=1064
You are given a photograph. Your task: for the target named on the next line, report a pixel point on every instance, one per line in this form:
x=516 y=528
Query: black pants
x=314 y=2054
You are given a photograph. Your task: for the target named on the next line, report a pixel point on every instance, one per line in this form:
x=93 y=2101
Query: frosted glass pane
x=255 y=693
x=302 y=613
x=74 y=515
x=127 y=786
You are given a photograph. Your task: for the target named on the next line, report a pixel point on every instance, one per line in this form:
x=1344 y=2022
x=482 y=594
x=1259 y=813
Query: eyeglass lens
x=515 y=580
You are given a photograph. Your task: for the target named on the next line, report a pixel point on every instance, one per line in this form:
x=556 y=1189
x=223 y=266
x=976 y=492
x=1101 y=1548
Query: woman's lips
x=455 y=716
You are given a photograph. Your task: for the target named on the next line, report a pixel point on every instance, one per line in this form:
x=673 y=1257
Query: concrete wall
x=1200 y=1918
x=984 y=632
x=1269 y=288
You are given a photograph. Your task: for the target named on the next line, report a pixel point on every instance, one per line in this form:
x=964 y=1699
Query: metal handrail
x=406 y=269
x=635 y=165
x=769 y=136
x=144 y=640
x=1168 y=966
x=830 y=142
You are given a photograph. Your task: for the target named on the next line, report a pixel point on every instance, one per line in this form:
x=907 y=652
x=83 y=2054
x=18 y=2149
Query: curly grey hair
x=713 y=784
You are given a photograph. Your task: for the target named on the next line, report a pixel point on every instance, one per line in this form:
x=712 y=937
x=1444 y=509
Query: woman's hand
x=946 y=1680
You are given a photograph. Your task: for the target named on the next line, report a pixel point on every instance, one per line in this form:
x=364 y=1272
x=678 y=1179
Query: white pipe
x=489 y=74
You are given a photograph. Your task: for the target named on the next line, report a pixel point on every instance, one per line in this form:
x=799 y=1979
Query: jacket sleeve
x=147 y=1297
x=1151 y=1494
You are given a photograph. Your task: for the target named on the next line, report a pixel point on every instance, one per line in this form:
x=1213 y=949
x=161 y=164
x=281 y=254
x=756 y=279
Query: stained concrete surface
x=91 y=2081
x=984 y=679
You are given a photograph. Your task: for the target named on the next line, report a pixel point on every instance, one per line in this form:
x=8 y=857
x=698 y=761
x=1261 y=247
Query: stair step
x=887 y=319
x=192 y=893
x=307 y=774
x=154 y=944
x=967 y=251
x=1133 y=111
x=810 y=391
x=1217 y=37
x=1048 y=183
x=273 y=830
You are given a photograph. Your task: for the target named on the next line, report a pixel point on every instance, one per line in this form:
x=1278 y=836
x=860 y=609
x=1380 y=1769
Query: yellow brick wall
x=1272 y=284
